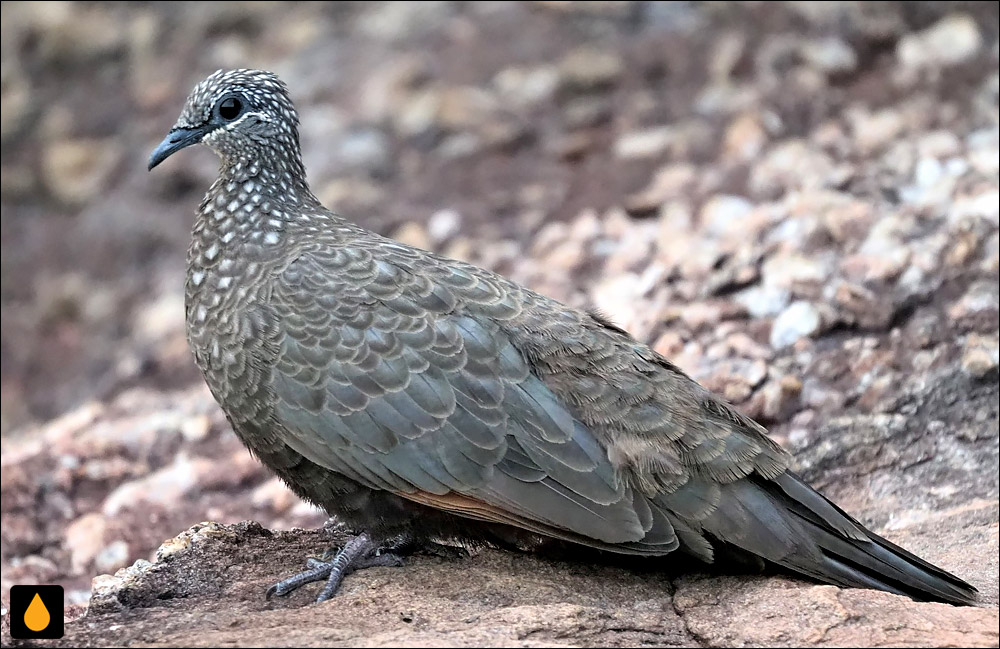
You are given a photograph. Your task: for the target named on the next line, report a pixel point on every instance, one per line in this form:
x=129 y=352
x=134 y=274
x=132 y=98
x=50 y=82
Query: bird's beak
x=176 y=139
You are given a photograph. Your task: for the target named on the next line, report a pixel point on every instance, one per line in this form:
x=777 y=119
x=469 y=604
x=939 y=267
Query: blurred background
x=796 y=202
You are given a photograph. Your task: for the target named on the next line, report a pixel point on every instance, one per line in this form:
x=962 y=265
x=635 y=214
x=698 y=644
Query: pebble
x=816 y=394
x=196 y=429
x=736 y=378
x=669 y=183
x=764 y=301
x=414 y=234
x=443 y=224
x=980 y=355
x=17 y=107
x=724 y=215
x=112 y=557
x=780 y=398
x=527 y=86
x=984 y=205
x=980 y=299
x=84 y=538
x=195 y=534
x=589 y=68
x=105 y=589
x=586 y=112
x=953 y=40
x=863 y=307
x=161 y=488
x=874 y=131
x=792 y=164
x=831 y=55
x=786 y=271
x=365 y=148
x=800 y=320
x=160 y=319
x=745 y=137
x=273 y=496
x=77 y=170
x=646 y=143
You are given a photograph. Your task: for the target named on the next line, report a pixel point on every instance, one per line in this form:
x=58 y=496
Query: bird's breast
x=225 y=293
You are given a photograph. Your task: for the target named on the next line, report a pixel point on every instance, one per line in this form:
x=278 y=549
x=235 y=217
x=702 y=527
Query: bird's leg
x=358 y=553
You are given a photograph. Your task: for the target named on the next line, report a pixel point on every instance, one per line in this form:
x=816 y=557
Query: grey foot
x=358 y=553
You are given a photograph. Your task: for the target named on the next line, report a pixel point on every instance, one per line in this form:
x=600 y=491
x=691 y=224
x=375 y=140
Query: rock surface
x=796 y=203
x=206 y=589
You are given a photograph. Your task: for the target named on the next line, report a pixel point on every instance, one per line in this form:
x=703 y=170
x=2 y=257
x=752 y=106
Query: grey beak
x=176 y=140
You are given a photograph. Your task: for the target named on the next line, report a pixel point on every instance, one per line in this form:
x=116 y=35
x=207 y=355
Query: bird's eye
x=230 y=108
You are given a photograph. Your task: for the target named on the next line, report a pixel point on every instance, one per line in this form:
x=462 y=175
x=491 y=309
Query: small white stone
x=444 y=224
x=799 y=320
x=112 y=557
x=952 y=40
x=764 y=301
x=647 y=143
x=722 y=214
x=928 y=172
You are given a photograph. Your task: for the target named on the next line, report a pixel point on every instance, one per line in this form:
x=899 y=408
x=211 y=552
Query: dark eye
x=230 y=107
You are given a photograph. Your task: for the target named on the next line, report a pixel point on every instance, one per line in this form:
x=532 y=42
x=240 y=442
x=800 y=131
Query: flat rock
x=207 y=589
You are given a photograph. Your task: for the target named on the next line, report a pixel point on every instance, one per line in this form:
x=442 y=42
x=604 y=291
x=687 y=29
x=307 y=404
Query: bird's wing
x=410 y=384
x=679 y=445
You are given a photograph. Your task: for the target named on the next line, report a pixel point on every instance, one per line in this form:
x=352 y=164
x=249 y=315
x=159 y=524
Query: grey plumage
x=409 y=394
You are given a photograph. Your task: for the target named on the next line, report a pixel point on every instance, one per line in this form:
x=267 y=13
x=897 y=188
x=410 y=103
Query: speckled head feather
x=265 y=93
x=239 y=114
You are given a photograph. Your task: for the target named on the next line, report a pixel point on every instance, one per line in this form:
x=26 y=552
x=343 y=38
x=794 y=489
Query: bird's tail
x=788 y=523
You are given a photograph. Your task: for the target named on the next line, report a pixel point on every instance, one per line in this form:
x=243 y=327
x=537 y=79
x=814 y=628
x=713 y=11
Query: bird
x=420 y=399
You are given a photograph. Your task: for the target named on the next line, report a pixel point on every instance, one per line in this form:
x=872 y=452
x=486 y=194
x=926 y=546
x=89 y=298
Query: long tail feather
x=788 y=523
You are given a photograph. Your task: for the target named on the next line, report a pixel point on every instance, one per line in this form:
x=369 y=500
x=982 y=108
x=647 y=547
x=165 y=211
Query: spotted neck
x=243 y=229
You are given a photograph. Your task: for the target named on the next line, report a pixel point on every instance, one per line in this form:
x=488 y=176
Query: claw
x=358 y=553
x=316 y=571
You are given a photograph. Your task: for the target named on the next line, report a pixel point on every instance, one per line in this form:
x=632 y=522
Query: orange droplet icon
x=37 y=616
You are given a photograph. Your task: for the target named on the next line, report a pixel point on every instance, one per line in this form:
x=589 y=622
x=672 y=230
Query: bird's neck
x=254 y=199
x=248 y=216
x=275 y=173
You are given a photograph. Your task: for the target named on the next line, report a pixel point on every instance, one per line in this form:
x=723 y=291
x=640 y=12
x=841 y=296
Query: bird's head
x=237 y=113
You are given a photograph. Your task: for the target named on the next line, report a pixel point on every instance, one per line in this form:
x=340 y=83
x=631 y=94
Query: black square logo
x=36 y=612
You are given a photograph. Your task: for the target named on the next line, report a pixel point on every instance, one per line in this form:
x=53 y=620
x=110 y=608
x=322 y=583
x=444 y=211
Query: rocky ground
x=797 y=203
